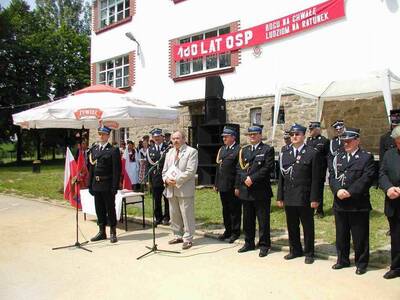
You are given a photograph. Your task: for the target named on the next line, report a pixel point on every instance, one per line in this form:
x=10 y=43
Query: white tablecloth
x=88 y=201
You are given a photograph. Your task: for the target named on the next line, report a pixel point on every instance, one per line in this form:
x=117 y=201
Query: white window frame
x=109 y=68
x=255 y=114
x=109 y=13
x=190 y=64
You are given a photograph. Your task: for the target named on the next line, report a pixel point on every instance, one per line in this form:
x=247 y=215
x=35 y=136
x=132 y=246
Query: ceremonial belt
x=102 y=178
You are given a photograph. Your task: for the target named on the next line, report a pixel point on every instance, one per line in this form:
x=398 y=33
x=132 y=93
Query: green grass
x=49 y=184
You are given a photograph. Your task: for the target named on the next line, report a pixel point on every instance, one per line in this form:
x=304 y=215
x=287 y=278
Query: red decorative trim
x=236 y=56
x=132 y=8
x=126 y=89
x=171 y=62
x=132 y=68
x=113 y=25
x=205 y=74
x=95 y=16
x=93 y=74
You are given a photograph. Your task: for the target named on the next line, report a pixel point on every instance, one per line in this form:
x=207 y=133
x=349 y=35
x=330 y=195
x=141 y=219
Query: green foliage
x=44 y=54
x=208 y=208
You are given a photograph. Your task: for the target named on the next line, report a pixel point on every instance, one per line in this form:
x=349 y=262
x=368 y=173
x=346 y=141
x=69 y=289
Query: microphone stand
x=154 y=248
x=77 y=244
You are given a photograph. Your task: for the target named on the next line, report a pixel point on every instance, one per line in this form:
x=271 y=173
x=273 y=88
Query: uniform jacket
x=355 y=176
x=389 y=176
x=386 y=143
x=187 y=163
x=299 y=177
x=322 y=145
x=105 y=172
x=226 y=169
x=260 y=164
x=153 y=157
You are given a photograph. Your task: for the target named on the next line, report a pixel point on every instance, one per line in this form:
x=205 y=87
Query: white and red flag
x=71 y=184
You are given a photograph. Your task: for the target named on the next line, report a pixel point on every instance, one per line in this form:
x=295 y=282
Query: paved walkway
x=29 y=269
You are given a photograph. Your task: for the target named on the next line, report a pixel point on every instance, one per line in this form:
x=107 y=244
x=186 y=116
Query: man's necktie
x=177 y=154
x=295 y=153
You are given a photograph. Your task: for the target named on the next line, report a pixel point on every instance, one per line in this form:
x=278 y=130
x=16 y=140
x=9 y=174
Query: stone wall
x=369 y=114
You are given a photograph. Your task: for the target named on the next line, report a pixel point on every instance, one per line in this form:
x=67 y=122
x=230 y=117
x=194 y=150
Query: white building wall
x=366 y=40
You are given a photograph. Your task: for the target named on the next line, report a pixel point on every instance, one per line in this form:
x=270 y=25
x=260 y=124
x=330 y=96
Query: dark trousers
x=231 y=212
x=157 y=196
x=259 y=209
x=356 y=224
x=394 y=223
x=105 y=207
x=305 y=215
x=320 y=208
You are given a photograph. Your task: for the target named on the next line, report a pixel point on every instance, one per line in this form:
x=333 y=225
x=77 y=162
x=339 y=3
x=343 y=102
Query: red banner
x=300 y=21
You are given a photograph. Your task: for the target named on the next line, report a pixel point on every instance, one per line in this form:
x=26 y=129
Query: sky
x=4 y=3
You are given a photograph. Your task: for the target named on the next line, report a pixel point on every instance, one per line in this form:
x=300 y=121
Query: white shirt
x=231 y=146
x=295 y=153
x=350 y=155
x=254 y=147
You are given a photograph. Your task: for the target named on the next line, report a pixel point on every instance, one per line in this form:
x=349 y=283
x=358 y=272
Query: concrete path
x=29 y=269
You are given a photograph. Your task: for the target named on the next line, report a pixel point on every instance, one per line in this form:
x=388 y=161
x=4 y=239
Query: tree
x=44 y=54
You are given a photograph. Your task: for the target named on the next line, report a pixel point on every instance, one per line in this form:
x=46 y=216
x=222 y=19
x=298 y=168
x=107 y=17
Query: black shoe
x=320 y=214
x=309 y=260
x=263 y=252
x=101 y=235
x=338 y=266
x=158 y=222
x=246 y=248
x=291 y=256
x=113 y=235
x=361 y=271
x=165 y=221
x=224 y=236
x=391 y=274
x=233 y=238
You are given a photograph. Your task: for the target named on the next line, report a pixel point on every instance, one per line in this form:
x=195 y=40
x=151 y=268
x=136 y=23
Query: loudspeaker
x=214 y=88
x=215 y=111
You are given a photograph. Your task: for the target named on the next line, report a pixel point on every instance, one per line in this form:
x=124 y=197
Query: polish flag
x=71 y=186
x=83 y=173
x=127 y=181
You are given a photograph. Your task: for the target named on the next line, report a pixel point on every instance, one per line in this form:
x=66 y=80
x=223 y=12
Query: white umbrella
x=85 y=108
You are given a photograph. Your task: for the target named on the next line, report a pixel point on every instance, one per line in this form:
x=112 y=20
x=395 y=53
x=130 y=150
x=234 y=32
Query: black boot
x=113 y=234
x=101 y=235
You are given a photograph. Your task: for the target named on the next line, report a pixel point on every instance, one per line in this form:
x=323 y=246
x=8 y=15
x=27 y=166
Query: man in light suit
x=179 y=177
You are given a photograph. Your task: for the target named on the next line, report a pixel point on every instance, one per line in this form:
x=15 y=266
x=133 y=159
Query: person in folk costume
x=143 y=162
x=133 y=166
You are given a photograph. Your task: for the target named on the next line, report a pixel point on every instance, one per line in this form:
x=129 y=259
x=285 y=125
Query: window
x=281 y=115
x=114 y=72
x=112 y=11
x=255 y=115
x=208 y=63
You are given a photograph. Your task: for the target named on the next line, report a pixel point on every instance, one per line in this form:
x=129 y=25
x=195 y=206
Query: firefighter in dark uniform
x=253 y=187
x=299 y=192
x=154 y=154
x=389 y=182
x=336 y=145
x=227 y=160
x=386 y=141
x=350 y=179
x=321 y=144
x=286 y=139
x=104 y=177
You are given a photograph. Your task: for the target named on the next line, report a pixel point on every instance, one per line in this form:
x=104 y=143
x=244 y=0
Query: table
x=122 y=199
